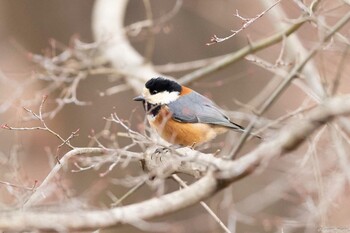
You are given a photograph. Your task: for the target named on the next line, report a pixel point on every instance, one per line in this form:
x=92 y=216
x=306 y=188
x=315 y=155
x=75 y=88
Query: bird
x=181 y=115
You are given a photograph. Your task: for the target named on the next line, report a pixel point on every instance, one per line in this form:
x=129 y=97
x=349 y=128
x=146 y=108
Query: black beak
x=139 y=98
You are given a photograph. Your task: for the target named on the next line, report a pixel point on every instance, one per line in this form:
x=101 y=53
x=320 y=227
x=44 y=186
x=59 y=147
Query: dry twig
x=246 y=23
x=225 y=173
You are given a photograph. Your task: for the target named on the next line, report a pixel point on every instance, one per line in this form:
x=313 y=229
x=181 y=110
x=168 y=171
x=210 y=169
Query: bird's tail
x=240 y=128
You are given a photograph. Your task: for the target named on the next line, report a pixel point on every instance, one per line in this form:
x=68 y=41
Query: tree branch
x=253 y=47
x=295 y=46
x=225 y=172
x=293 y=74
x=246 y=23
x=87 y=220
x=108 y=28
x=42 y=191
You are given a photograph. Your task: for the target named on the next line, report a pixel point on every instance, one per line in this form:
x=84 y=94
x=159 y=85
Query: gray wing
x=195 y=108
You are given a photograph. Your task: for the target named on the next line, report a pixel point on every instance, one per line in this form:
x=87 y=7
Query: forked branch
x=222 y=173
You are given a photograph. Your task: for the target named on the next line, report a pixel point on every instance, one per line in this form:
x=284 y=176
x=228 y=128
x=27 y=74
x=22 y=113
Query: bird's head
x=160 y=91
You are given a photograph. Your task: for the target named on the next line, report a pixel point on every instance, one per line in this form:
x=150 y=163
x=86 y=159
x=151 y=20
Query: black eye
x=153 y=92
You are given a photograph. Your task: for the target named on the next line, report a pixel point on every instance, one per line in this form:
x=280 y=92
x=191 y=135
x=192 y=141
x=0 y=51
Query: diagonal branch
x=252 y=47
x=292 y=75
x=42 y=191
x=224 y=174
x=247 y=22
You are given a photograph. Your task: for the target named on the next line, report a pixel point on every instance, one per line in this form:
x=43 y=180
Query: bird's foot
x=193 y=145
x=161 y=150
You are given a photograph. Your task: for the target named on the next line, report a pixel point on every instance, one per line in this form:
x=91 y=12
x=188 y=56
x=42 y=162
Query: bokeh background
x=29 y=27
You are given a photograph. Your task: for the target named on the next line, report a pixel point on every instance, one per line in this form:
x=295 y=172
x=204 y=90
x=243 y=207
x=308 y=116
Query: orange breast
x=185 y=134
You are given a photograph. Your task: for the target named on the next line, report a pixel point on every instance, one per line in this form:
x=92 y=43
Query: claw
x=161 y=150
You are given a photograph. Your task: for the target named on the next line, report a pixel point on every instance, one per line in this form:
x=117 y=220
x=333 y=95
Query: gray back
x=195 y=108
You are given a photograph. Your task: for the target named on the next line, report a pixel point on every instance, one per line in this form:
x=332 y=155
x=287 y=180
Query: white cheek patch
x=163 y=97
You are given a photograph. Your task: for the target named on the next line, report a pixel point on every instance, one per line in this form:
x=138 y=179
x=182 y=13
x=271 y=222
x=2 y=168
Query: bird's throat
x=152 y=109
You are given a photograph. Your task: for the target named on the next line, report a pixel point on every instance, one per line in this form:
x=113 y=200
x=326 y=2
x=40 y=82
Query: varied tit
x=182 y=116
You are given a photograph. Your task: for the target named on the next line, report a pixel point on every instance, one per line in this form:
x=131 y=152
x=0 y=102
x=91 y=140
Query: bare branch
x=184 y=66
x=102 y=218
x=340 y=69
x=246 y=23
x=226 y=172
x=108 y=26
x=135 y=28
x=295 y=46
x=40 y=117
x=41 y=192
x=204 y=205
x=213 y=173
x=293 y=74
x=238 y=55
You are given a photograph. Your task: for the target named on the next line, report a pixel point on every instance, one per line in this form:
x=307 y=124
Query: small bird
x=182 y=116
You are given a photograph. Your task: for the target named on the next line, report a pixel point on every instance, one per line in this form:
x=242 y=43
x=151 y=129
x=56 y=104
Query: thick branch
x=84 y=219
x=226 y=172
x=108 y=28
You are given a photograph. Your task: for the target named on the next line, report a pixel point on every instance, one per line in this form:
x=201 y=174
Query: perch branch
x=224 y=174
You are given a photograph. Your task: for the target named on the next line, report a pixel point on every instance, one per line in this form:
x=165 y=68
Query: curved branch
x=108 y=28
x=84 y=220
x=226 y=173
x=42 y=191
x=117 y=49
x=290 y=137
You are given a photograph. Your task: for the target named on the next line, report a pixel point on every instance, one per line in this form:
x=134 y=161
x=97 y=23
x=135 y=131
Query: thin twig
x=340 y=70
x=40 y=117
x=296 y=47
x=247 y=22
x=302 y=6
x=42 y=191
x=185 y=66
x=203 y=204
x=150 y=43
x=227 y=172
x=128 y=193
x=285 y=83
x=108 y=27
x=238 y=55
x=18 y=186
x=135 y=28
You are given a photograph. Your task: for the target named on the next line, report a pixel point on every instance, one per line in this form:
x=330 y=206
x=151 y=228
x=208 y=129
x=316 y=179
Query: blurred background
x=32 y=32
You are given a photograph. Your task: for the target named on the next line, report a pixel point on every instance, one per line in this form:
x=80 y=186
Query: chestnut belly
x=186 y=134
